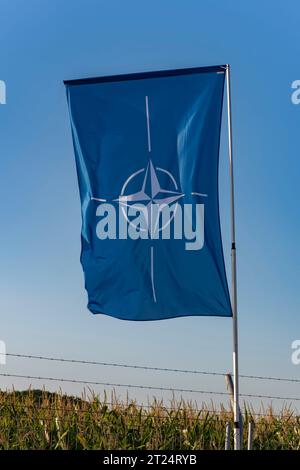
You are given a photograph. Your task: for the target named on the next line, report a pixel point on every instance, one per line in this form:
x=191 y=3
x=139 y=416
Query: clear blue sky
x=43 y=302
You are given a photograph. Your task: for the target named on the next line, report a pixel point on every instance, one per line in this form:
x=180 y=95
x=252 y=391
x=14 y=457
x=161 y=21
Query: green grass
x=41 y=420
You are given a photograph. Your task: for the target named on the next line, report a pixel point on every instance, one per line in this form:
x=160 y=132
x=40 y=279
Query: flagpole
x=236 y=408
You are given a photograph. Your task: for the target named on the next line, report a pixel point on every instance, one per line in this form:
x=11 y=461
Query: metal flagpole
x=236 y=409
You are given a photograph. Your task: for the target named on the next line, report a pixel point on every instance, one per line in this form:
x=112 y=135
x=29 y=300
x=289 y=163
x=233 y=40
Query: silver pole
x=250 y=435
x=227 y=436
x=233 y=274
x=230 y=387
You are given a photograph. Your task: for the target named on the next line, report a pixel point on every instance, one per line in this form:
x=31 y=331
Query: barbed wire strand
x=146 y=387
x=192 y=413
x=195 y=417
x=135 y=366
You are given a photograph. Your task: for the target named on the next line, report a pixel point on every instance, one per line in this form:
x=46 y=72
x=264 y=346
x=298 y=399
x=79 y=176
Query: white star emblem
x=151 y=194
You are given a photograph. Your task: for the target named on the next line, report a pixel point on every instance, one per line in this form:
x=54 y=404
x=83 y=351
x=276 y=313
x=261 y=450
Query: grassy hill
x=37 y=419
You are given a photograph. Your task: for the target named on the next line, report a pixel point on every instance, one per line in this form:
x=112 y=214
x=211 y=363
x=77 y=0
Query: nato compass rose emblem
x=151 y=200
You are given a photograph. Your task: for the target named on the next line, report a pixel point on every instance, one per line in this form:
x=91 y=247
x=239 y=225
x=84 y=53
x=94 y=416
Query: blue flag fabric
x=147 y=154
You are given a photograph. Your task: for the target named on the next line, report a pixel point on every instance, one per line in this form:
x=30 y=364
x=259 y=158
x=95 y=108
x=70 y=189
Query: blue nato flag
x=147 y=156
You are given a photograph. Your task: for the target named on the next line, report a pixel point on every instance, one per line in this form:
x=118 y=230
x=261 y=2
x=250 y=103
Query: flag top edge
x=146 y=75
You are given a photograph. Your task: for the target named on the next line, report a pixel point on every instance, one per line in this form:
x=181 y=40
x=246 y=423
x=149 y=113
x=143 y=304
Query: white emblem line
x=151 y=249
x=98 y=199
x=199 y=194
x=148 y=124
x=152 y=274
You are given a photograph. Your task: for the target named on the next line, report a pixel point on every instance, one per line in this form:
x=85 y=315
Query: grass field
x=41 y=420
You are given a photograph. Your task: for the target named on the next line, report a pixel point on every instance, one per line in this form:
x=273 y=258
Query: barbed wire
x=135 y=366
x=130 y=405
x=146 y=387
x=195 y=417
x=53 y=418
x=192 y=413
x=112 y=364
x=108 y=384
